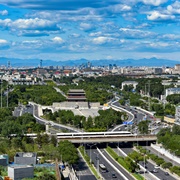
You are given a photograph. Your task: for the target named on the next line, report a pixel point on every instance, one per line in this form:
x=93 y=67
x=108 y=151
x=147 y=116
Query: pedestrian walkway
x=163 y=152
x=69 y=174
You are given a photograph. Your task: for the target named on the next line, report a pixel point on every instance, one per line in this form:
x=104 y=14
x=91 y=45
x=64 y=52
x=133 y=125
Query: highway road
x=51 y=123
x=150 y=167
x=162 y=156
x=136 y=116
x=97 y=158
x=82 y=171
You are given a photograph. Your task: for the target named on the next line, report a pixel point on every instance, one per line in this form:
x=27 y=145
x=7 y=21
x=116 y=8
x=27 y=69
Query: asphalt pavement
x=97 y=159
x=82 y=170
x=150 y=167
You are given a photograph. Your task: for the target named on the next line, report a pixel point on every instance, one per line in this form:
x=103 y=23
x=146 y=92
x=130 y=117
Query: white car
x=156 y=167
x=155 y=171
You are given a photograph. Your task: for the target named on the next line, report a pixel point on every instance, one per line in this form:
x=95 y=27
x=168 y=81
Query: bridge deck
x=107 y=139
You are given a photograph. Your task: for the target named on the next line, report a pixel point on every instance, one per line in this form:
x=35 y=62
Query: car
x=114 y=175
x=156 y=167
x=166 y=173
x=155 y=171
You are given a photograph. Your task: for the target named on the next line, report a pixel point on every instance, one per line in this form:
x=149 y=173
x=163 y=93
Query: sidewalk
x=66 y=173
x=163 y=152
x=69 y=175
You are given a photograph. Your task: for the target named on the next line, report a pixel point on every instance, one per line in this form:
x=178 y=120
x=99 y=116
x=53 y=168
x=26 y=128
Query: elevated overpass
x=90 y=139
x=100 y=137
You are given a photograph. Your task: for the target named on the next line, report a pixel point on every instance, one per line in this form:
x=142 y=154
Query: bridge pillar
x=47 y=128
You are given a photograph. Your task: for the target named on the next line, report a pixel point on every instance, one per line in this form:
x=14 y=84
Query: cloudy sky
x=91 y=29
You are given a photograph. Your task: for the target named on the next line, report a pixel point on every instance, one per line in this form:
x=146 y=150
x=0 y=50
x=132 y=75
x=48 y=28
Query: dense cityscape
x=75 y=122
x=89 y=90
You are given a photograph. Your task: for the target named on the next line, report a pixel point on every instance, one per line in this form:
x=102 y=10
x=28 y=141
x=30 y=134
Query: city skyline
x=94 y=30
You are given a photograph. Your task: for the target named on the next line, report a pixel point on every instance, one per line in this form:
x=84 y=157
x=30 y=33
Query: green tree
x=131 y=164
x=143 y=127
x=68 y=152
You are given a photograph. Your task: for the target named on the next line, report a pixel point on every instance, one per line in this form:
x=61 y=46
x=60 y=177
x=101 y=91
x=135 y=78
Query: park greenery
x=143 y=127
x=106 y=119
x=170 y=139
x=97 y=89
x=43 y=173
x=40 y=94
x=173 y=99
x=18 y=125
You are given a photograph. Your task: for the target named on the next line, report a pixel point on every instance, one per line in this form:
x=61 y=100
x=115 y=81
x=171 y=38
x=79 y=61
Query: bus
x=102 y=168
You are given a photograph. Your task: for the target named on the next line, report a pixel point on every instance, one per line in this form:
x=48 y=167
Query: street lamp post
x=97 y=157
x=91 y=145
x=144 y=168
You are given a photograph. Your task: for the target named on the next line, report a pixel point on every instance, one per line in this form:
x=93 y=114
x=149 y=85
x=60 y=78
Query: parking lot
x=86 y=112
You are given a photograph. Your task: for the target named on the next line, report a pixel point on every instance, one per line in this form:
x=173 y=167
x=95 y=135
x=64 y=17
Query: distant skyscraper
x=89 y=65
x=9 y=64
x=41 y=63
x=110 y=67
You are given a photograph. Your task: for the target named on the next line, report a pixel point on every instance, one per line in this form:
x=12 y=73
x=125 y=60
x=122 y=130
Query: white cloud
x=109 y=57
x=4 y=12
x=154 y=2
x=28 y=24
x=136 y=33
x=170 y=37
x=101 y=40
x=31 y=23
x=5 y=22
x=95 y=34
x=58 y=39
x=157 y=16
x=174 y=8
x=75 y=35
x=3 y=41
x=159 y=44
x=86 y=26
x=120 y=8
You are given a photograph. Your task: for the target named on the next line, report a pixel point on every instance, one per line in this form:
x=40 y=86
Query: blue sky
x=90 y=29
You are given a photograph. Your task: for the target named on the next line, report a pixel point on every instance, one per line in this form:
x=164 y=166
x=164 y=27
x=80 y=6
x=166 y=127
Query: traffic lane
x=126 y=150
x=110 y=170
x=43 y=121
x=83 y=171
x=126 y=174
x=160 y=173
x=136 y=112
x=149 y=176
x=161 y=155
x=150 y=167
